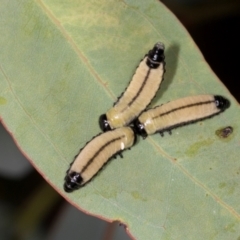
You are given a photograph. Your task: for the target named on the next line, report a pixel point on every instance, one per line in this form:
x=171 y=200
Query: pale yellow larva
x=139 y=93
x=96 y=154
x=178 y=113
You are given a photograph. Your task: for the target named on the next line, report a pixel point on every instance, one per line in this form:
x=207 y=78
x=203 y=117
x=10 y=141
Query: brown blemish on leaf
x=225 y=133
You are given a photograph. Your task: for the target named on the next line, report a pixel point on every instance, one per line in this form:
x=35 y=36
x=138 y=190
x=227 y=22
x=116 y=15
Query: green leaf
x=65 y=63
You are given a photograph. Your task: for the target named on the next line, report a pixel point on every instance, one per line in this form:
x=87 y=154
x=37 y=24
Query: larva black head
x=72 y=182
x=103 y=123
x=221 y=102
x=156 y=55
x=135 y=134
x=139 y=128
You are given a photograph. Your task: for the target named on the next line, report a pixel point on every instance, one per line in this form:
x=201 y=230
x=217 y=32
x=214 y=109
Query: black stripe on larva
x=99 y=151
x=139 y=91
x=182 y=107
x=170 y=128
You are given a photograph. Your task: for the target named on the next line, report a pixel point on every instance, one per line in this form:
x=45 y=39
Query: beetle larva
x=139 y=93
x=96 y=154
x=178 y=113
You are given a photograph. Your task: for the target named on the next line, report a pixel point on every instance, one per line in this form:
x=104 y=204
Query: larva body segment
x=96 y=154
x=178 y=113
x=139 y=93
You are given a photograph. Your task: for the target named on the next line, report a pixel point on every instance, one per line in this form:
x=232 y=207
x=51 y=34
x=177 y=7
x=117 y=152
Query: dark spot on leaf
x=224 y=132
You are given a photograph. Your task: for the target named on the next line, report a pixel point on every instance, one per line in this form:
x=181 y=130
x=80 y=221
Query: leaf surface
x=62 y=64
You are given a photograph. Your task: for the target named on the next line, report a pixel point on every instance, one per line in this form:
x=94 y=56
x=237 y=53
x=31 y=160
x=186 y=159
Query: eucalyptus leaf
x=64 y=63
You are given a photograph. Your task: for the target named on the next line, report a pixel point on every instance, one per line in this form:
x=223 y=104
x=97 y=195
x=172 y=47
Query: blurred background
x=24 y=211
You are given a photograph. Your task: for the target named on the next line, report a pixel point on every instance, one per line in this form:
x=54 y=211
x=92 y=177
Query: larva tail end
x=103 y=123
x=221 y=102
x=72 y=182
x=139 y=128
x=156 y=55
